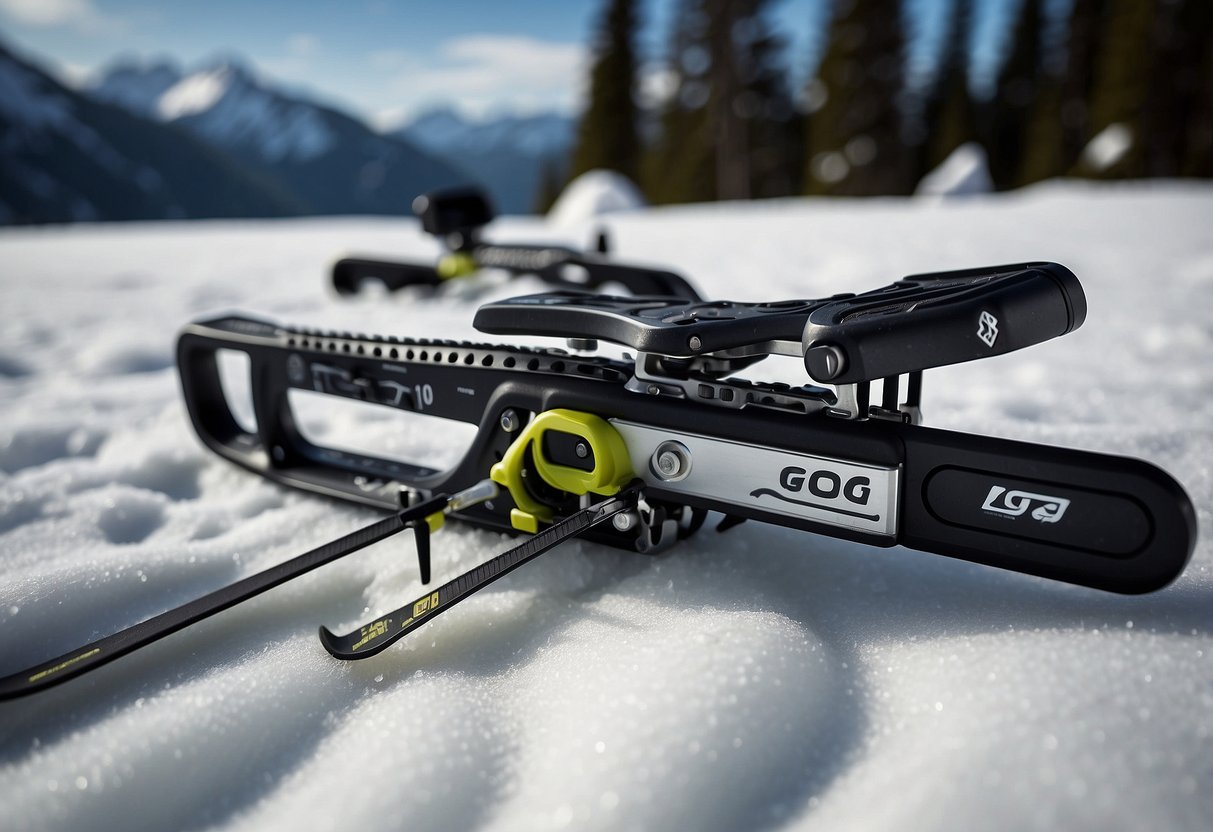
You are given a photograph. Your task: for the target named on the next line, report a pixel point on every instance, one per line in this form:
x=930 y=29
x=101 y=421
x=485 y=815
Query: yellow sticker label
x=50 y=671
x=371 y=632
x=421 y=607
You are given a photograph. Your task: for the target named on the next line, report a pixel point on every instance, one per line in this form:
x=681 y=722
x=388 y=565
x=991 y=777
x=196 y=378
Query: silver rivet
x=582 y=450
x=509 y=421
x=624 y=520
x=695 y=343
x=653 y=389
x=671 y=461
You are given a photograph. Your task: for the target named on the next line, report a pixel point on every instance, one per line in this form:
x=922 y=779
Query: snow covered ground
x=763 y=679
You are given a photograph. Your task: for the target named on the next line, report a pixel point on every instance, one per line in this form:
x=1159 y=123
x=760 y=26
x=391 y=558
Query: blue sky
x=389 y=60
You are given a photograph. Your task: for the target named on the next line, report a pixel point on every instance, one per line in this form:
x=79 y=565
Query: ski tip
x=332 y=642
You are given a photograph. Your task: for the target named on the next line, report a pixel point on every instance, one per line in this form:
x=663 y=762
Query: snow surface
x=761 y=679
x=965 y=172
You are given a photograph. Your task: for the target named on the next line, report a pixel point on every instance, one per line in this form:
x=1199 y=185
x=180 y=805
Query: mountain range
x=152 y=140
x=507 y=155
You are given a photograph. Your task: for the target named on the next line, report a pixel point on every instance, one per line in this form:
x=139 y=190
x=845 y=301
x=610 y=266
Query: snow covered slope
x=762 y=679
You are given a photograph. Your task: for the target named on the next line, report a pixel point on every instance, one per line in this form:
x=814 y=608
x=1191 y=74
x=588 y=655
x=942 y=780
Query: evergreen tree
x=551 y=179
x=728 y=131
x=948 y=111
x=607 y=136
x=1198 y=147
x=854 y=144
x=1019 y=85
x=1082 y=41
x=1179 y=84
x=680 y=167
x=1119 y=91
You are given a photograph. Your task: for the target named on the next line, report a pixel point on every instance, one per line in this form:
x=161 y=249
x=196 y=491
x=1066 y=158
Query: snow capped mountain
x=444 y=130
x=225 y=104
x=66 y=157
x=136 y=86
x=327 y=160
x=506 y=153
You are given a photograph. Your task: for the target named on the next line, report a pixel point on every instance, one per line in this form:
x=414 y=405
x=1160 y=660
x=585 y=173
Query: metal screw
x=671 y=461
x=653 y=389
x=695 y=343
x=582 y=450
x=509 y=421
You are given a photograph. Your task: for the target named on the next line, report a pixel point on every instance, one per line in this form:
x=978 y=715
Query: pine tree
x=551 y=178
x=1019 y=85
x=607 y=136
x=1198 y=146
x=1179 y=85
x=1118 y=95
x=680 y=167
x=1082 y=50
x=728 y=131
x=854 y=144
x=948 y=111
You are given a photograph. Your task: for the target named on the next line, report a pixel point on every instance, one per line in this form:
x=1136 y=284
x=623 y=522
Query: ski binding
x=634 y=452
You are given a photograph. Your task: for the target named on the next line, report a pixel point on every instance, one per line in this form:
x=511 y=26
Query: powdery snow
x=764 y=678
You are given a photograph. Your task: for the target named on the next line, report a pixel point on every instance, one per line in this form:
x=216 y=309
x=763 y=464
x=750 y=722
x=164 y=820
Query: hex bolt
x=510 y=421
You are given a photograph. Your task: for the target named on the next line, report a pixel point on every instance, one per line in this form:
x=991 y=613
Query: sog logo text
x=1016 y=503
x=827 y=486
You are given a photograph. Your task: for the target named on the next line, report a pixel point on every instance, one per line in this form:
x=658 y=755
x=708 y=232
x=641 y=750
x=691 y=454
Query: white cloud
x=77 y=14
x=480 y=73
x=302 y=45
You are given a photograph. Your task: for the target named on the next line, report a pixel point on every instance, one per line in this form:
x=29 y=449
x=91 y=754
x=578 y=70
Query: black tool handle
x=932 y=320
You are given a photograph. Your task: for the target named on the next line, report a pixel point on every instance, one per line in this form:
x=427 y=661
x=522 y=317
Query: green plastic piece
x=459 y=264
x=612 y=466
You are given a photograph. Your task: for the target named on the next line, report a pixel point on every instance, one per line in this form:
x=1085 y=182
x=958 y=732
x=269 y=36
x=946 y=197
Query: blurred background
x=128 y=109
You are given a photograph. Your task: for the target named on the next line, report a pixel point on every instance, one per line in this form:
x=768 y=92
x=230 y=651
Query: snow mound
x=965 y=172
x=593 y=194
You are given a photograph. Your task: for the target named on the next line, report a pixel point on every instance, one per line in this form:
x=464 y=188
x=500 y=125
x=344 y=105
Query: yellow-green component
x=458 y=264
x=612 y=467
x=435 y=521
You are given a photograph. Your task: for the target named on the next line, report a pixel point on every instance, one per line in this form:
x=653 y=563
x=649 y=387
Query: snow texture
x=1108 y=147
x=965 y=172
x=759 y=679
x=593 y=194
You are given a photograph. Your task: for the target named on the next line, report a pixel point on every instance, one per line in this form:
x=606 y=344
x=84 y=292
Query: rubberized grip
x=1108 y=522
x=933 y=320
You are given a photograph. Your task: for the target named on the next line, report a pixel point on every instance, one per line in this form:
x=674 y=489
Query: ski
x=456 y=217
x=104 y=650
x=385 y=631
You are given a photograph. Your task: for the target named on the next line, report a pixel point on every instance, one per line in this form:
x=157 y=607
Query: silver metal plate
x=834 y=492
